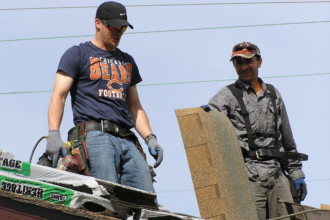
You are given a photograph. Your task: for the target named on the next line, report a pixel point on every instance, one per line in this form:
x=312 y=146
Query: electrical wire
x=174 y=30
x=181 y=83
x=189 y=190
x=229 y=3
x=169 y=5
x=302 y=212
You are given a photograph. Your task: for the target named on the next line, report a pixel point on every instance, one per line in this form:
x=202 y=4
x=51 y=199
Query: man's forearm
x=62 y=87
x=142 y=124
x=55 y=113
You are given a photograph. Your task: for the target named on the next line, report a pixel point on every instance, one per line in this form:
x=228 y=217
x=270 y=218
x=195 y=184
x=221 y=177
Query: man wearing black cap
x=105 y=103
x=258 y=114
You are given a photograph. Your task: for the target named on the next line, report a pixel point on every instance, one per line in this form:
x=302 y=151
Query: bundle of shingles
x=77 y=191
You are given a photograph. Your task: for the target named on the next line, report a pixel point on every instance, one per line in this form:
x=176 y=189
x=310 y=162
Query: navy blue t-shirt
x=101 y=83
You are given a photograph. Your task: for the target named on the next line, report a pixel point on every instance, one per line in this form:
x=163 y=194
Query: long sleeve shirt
x=262 y=117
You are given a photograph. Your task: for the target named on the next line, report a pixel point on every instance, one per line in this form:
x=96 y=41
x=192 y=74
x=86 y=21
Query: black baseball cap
x=245 y=50
x=114 y=13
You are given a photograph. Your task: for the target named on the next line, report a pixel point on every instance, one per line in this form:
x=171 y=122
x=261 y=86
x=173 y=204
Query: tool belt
x=77 y=160
x=115 y=129
x=106 y=126
x=266 y=153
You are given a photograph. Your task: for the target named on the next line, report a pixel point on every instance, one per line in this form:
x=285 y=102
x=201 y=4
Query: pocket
x=251 y=171
x=91 y=134
x=281 y=208
x=270 y=118
x=237 y=117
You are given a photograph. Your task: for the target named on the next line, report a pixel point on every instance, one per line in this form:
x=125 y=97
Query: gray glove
x=54 y=142
x=155 y=149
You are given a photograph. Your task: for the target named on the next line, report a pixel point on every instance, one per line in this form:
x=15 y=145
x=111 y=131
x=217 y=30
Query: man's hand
x=155 y=149
x=301 y=189
x=54 y=142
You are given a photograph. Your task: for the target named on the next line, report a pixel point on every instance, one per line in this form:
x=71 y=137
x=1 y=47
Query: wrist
x=150 y=137
x=54 y=133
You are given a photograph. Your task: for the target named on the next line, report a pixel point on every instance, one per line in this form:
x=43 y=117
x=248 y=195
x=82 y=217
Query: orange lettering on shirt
x=94 y=68
x=114 y=72
x=129 y=72
x=123 y=73
x=105 y=71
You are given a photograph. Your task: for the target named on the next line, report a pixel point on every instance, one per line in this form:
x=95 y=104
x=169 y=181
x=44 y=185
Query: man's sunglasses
x=240 y=48
x=242 y=61
x=115 y=29
x=248 y=46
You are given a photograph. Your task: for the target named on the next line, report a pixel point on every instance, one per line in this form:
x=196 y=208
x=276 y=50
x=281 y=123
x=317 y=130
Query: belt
x=266 y=153
x=107 y=126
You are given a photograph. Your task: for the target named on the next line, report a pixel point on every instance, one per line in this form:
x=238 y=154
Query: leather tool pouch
x=77 y=160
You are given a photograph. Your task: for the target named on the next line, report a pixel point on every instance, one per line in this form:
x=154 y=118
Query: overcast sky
x=183 y=53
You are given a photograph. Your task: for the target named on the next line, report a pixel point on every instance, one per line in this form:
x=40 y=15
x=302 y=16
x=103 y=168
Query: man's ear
x=98 y=23
x=259 y=62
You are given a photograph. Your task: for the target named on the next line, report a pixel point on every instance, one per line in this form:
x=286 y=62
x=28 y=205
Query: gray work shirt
x=262 y=117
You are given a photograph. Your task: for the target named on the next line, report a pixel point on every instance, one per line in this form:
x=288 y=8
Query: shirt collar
x=248 y=87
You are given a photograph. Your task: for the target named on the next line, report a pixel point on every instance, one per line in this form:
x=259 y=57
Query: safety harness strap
x=266 y=153
x=238 y=93
x=273 y=97
x=256 y=152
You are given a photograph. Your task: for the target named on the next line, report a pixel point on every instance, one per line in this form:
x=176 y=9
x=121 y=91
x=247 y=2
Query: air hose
x=35 y=146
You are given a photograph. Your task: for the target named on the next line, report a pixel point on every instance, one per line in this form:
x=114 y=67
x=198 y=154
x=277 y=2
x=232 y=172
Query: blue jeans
x=117 y=160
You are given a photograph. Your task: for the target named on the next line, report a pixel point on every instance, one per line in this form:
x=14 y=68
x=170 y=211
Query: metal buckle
x=102 y=125
x=116 y=128
x=261 y=154
x=257 y=154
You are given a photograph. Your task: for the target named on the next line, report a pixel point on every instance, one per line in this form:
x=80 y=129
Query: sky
x=182 y=49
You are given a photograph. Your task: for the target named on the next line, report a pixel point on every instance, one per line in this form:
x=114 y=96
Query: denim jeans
x=117 y=160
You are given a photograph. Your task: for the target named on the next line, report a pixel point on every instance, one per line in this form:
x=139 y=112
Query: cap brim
x=243 y=55
x=118 y=23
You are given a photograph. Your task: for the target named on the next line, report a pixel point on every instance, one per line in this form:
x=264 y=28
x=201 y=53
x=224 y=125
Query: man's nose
x=244 y=66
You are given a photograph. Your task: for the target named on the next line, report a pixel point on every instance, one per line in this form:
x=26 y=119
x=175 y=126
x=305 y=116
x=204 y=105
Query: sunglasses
x=249 y=47
x=115 y=29
x=241 y=61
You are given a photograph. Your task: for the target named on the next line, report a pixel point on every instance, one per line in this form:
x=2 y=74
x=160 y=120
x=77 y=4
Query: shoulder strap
x=238 y=93
x=273 y=97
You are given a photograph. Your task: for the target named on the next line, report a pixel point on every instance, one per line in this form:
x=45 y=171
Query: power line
x=223 y=80
x=189 y=190
x=317 y=180
x=169 y=5
x=173 y=30
x=180 y=83
x=24 y=92
x=228 y=3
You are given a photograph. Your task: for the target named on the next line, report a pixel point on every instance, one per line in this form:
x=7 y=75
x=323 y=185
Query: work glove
x=301 y=189
x=54 y=146
x=206 y=108
x=56 y=156
x=154 y=149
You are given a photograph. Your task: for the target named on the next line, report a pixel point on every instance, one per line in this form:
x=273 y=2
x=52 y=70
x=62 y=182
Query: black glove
x=301 y=188
x=154 y=149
